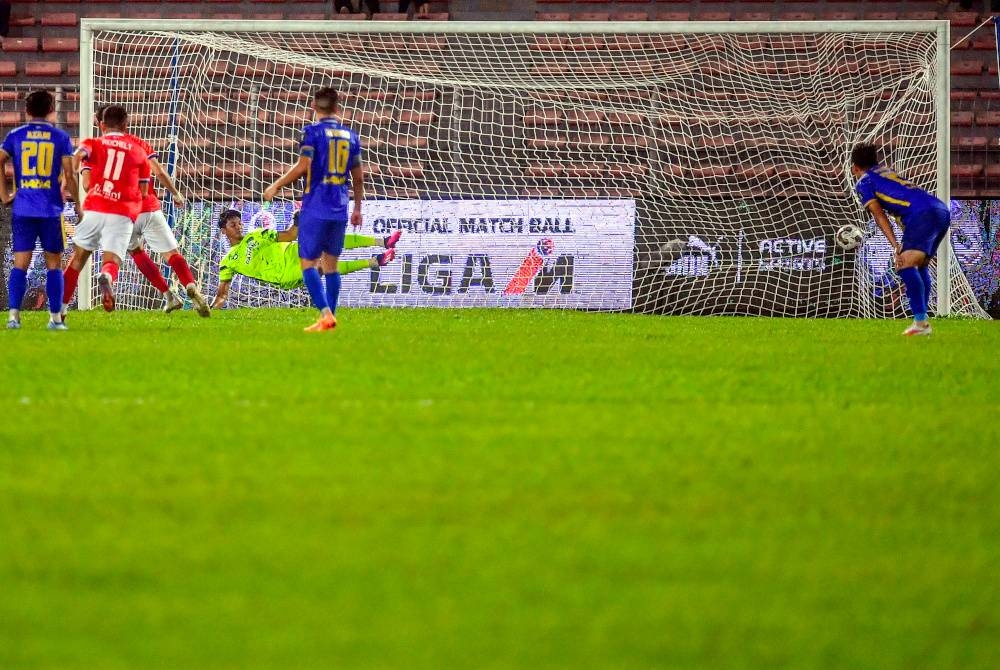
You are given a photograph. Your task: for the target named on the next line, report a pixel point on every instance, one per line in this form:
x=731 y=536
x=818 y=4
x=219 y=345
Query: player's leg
x=53 y=244
x=942 y=225
x=310 y=253
x=115 y=236
x=146 y=265
x=907 y=267
x=332 y=248
x=161 y=239
x=85 y=241
x=25 y=234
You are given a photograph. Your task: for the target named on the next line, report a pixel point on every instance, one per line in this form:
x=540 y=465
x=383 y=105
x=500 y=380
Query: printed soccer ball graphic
x=545 y=246
x=849 y=237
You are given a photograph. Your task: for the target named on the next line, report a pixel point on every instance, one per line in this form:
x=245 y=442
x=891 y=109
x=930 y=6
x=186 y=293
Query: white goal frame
x=940 y=28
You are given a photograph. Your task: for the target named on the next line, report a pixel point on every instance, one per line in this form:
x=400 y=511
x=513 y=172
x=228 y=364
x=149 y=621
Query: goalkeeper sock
x=355 y=241
x=111 y=270
x=70 y=277
x=54 y=291
x=925 y=275
x=347 y=267
x=181 y=268
x=149 y=270
x=315 y=286
x=17 y=284
x=333 y=290
x=915 y=292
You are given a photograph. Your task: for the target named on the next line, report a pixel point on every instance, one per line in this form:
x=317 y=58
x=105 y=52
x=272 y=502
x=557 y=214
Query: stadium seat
x=963 y=96
x=552 y=16
x=987 y=43
x=8 y=68
x=966 y=170
x=592 y=16
x=59 y=19
x=966 y=67
x=20 y=44
x=22 y=21
x=389 y=16
x=63 y=44
x=754 y=16
x=839 y=15
x=990 y=118
x=630 y=16
x=714 y=16
x=797 y=16
x=962 y=19
x=43 y=68
x=881 y=16
x=919 y=16
x=974 y=142
x=432 y=16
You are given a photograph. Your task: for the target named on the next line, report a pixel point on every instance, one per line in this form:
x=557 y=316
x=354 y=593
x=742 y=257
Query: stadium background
x=42 y=50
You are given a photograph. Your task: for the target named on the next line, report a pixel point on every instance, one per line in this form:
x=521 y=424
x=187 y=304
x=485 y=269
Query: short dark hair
x=325 y=99
x=39 y=104
x=114 y=116
x=228 y=214
x=99 y=112
x=864 y=155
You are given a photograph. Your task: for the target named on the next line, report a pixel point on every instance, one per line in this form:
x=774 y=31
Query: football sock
x=181 y=268
x=149 y=270
x=355 y=241
x=110 y=269
x=70 y=277
x=54 y=291
x=333 y=290
x=17 y=284
x=347 y=267
x=925 y=275
x=915 y=292
x=315 y=286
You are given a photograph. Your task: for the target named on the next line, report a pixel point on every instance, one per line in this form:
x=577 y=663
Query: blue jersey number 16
x=336 y=169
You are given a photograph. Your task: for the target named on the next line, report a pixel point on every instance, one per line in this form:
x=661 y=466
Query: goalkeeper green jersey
x=260 y=256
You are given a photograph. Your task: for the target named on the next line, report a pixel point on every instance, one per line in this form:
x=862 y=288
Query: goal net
x=657 y=167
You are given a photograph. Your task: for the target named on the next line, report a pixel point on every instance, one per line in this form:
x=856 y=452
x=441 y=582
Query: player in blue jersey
x=329 y=154
x=923 y=218
x=42 y=156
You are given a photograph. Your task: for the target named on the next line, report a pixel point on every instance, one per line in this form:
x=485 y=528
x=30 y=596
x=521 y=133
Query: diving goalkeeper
x=272 y=257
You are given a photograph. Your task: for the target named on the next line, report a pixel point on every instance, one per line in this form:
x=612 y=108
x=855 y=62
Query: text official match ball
x=849 y=237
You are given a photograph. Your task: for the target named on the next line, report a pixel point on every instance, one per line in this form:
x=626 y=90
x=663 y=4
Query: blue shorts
x=925 y=230
x=318 y=236
x=28 y=229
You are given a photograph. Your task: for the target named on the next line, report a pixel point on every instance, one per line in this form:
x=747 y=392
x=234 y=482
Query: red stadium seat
x=963 y=19
x=988 y=118
x=964 y=96
x=8 y=68
x=919 y=16
x=974 y=142
x=11 y=119
x=22 y=21
x=432 y=16
x=882 y=16
x=592 y=16
x=714 y=16
x=20 y=44
x=673 y=16
x=43 y=68
x=966 y=67
x=59 y=19
x=65 y=44
x=797 y=16
x=754 y=16
x=962 y=118
x=630 y=16
x=389 y=16
x=966 y=170
x=840 y=16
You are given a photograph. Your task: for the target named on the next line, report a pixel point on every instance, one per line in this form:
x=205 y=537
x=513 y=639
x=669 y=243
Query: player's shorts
x=926 y=230
x=28 y=229
x=111 y=232
x=152 y=227
x=318 y=236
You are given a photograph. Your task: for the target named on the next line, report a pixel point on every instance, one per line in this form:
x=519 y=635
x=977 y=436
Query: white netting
x=678 y=173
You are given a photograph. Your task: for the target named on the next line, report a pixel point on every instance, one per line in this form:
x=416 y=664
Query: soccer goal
x=682 y=168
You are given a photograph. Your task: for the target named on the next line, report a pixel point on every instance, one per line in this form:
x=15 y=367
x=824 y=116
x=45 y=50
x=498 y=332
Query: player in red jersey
x=115 y=173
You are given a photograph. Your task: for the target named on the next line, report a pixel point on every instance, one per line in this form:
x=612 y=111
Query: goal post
x=666 y=167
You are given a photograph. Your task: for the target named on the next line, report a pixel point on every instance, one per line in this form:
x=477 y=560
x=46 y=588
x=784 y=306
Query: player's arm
x=71 y=186
x=358 y=185
x=883 y=223
x=162 y=177
x=291 y=234
x=81 y=168
x=293 y=174
x=221 y=294
x=144 y=173
x=6 y=195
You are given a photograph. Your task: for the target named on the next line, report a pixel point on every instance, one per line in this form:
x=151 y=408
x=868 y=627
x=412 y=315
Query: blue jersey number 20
x=36 y=159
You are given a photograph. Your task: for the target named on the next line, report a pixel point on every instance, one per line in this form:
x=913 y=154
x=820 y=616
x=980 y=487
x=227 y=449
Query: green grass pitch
x=498 y=489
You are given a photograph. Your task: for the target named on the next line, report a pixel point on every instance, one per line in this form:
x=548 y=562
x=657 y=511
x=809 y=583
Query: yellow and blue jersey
x=335 y=150
x=898 y=197
x=37 y=149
